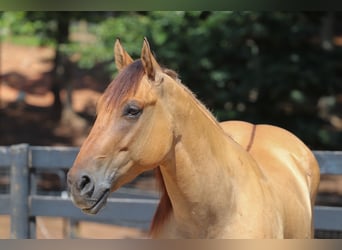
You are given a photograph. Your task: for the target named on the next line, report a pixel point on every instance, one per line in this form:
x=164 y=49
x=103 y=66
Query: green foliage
x=266 y=67
x=16 y=28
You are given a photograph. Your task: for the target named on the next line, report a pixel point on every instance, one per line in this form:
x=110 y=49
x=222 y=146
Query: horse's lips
x=95 y=208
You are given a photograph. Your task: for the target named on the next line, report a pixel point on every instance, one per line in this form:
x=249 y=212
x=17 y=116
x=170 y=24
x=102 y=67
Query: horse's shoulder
x=240 y=131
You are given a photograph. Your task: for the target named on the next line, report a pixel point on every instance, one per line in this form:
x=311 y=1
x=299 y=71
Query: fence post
x=20 y=191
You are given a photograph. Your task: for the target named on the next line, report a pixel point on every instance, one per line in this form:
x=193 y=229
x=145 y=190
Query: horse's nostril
x=84 y=181
x=85 y=186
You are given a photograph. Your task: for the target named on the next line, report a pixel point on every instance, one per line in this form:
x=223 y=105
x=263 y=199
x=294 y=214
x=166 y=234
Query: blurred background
x=281 y=68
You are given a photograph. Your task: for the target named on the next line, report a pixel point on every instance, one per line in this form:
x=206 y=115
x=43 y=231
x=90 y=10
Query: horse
x=218 y=180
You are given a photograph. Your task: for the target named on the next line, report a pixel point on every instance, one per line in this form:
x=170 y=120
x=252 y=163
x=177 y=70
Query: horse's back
x=288 y=163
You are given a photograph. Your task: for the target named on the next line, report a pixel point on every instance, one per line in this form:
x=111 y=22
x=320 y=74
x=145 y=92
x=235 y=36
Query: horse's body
x=228 y=180
x=282 y=156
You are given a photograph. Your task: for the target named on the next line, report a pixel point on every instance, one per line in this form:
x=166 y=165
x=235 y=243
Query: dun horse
x=229 y=180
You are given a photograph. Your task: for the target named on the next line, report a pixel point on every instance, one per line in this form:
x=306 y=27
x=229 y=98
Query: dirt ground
x=26 y=100
x=26 y=116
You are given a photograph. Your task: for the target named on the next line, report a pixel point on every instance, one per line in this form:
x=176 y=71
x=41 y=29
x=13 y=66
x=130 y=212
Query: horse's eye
x=132 y=111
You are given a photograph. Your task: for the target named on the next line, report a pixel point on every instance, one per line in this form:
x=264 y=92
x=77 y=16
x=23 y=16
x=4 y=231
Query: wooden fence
x=128 y=207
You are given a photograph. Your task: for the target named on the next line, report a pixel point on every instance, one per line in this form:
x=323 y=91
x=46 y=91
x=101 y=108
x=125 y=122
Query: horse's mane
x=164 y=207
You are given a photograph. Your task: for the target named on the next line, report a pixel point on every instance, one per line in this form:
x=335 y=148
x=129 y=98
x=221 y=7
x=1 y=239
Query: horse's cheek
x=157 y=145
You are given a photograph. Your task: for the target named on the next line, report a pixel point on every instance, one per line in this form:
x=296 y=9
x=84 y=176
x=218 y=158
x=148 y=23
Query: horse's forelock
x=127 y=82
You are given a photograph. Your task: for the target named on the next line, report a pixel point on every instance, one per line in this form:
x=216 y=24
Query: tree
x=269 y=67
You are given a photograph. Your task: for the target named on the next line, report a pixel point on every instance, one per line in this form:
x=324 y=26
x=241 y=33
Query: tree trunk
x=59 y=75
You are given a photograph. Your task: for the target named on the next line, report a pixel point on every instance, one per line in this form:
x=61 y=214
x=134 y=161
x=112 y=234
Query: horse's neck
x=198 y=172
x=194 y=123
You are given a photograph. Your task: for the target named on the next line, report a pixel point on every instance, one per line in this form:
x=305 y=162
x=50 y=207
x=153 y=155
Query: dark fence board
x=328 y=218
x=125 y=207
x=5 y=207
x=126 y=212
x=52 y=157
x=5 y=157
x=19 y=192
x=330 y=162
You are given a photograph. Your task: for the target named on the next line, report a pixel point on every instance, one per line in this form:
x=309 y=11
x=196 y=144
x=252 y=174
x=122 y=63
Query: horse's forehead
x=145 y=88
x=145 y=93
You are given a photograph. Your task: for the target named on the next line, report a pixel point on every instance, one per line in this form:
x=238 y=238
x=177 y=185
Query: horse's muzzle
x=86 y=193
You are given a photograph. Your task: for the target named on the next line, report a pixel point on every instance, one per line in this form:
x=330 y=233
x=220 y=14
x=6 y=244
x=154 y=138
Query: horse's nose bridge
x=80 y=164
x=72 y=176
x=72 y=172
x=76 y=172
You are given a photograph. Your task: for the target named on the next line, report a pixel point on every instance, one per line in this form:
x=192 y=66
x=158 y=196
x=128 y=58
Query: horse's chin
x=99 y=204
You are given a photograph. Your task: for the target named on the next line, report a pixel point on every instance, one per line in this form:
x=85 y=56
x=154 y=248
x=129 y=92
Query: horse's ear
x=122 y=58
x=150 y=64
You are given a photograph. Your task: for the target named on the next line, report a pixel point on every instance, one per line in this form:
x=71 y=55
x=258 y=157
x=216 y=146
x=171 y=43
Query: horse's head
x=132 y=132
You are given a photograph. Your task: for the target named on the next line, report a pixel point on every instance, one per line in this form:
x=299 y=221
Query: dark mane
x=164 y=208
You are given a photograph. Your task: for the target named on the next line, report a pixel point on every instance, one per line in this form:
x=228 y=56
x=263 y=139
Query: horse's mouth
x=100 y=202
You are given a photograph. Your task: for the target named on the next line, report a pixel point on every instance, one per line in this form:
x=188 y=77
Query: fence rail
x=124 y=207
